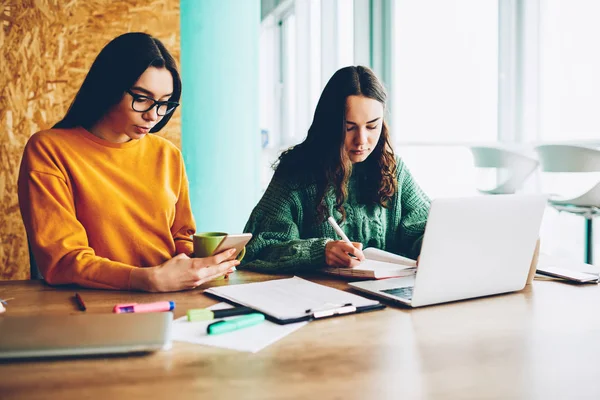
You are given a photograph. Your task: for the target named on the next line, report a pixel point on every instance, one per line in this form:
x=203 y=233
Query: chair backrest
x=516 y=166
x=568 y=158
x=33 y=269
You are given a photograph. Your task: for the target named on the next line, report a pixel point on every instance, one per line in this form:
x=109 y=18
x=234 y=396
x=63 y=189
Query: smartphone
x=235 y=241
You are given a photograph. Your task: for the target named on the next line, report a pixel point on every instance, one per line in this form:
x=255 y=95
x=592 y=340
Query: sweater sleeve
x=183 y=225
x=58 y=240
x=277 y=245
x=415 y=210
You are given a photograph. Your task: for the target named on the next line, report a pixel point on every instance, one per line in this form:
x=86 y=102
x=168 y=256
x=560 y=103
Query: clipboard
x=285 y=301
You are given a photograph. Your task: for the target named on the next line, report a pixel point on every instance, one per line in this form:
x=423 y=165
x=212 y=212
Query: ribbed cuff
x=317 y=252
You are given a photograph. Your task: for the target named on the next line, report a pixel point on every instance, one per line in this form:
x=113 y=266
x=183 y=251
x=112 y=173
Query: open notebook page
x=378 y=264
x=288 y=298
x=375 y=254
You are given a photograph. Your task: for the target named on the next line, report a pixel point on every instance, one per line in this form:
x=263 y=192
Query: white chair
x=512 y=168
x=574 y=158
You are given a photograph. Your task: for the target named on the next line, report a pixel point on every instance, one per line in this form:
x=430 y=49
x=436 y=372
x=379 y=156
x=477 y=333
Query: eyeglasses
x=143 y=104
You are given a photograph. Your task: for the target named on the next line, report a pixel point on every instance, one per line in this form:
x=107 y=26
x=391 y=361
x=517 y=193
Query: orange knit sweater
x=94 y=210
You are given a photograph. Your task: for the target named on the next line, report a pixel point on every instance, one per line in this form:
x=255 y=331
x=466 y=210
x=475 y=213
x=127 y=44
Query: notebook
x=83 y=334
x=294 y=299
x=378 y=264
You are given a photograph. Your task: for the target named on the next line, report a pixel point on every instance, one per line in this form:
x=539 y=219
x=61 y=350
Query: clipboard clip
x=330 y=312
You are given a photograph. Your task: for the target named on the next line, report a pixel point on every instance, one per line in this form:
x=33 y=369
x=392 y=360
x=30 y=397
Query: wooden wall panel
x=46 y=49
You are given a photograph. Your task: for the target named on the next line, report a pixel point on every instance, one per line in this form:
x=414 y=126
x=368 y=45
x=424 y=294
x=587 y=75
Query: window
x=302 y=44
x=569 y=100
x=445 y=88
x=569 y=70
x=445 y=70
x=345 y=34
x=280 y=51
x=458 y=72
x=287 y=81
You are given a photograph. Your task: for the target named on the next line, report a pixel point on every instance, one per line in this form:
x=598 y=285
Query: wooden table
x=541 y=343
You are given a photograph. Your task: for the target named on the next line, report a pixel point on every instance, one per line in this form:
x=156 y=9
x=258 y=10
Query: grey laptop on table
x=473 y=247
x=83 y=334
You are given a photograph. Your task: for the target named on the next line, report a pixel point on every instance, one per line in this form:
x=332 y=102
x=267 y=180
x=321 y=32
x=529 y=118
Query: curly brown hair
x=321 y=158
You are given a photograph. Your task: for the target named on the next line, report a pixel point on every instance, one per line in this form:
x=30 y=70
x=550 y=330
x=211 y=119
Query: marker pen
x=146 y=307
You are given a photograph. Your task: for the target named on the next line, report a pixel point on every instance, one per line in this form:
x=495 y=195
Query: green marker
x=203 y=314
x=234 y=324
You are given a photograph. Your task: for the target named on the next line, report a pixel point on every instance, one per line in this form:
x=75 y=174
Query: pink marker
x=147 y=307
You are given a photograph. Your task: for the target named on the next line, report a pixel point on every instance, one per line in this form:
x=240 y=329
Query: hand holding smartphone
x=207 y=244
x=234 y=241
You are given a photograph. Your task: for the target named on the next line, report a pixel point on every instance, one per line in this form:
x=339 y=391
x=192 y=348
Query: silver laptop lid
x=83 y=334
x=477 y=246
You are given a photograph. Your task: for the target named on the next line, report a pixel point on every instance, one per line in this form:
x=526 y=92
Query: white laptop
x=83 y=334
x=473 y=247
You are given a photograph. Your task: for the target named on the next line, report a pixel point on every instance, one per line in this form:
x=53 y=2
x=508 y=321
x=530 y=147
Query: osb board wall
x=46 y=49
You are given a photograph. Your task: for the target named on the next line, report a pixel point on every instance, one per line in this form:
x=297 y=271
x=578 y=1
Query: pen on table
x=204 y=314
x=2 y=303
x=80 y=302
x=234 y=324
x=335 y=307
x=5 y=301
x=146 y=307
x=340 y=232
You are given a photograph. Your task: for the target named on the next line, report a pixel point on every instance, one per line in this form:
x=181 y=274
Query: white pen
x=340 y=232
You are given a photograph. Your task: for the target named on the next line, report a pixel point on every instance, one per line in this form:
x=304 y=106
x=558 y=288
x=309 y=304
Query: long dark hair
x=321 y=157
x=118 y=66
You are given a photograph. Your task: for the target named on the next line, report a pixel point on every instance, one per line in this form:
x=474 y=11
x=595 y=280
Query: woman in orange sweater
x=100 y=197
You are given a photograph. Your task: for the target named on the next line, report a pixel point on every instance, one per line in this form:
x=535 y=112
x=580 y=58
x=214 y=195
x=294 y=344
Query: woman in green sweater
x=345 y=168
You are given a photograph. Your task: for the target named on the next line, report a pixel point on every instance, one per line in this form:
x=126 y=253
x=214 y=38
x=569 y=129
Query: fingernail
x=231 y=251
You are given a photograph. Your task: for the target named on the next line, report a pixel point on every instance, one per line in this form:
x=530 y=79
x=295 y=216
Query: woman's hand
x=337 y=254
x=182 y=272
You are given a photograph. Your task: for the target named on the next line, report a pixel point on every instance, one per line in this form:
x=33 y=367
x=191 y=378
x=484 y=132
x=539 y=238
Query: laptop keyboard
x=403 y=292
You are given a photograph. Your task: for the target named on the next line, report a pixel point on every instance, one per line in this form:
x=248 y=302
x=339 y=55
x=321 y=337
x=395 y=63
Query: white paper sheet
x=252 y=339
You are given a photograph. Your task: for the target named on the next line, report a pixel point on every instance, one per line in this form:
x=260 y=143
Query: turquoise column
x=220 y=134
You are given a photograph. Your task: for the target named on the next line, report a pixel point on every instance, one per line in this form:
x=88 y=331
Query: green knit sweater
x=286 y=236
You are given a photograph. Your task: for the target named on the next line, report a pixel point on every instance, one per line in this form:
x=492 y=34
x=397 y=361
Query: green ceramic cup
x=205 y=244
